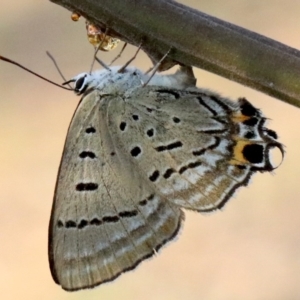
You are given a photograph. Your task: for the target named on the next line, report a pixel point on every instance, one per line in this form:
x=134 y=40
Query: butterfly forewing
x=106 y=218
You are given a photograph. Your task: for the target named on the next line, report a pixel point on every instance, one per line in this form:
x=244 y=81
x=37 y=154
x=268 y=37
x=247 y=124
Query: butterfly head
x=112 y=80
x=82 y=82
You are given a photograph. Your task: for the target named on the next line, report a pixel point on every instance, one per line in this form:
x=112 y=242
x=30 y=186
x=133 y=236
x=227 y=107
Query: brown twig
x=199 y=40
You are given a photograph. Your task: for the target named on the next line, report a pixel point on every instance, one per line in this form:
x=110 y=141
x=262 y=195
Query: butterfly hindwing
x=196 y=148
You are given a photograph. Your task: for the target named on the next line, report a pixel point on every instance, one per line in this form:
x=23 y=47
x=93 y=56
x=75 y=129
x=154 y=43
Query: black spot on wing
x=110 y=219
x=90 y=130
x=87 y=154
x=145 y=201
x=90 y=186
x=154 y=176
x=135 y=151
x=189 y=166
x=254 y=153
x=60 y=224
x=168 y=173
x=128 y=214
x=123 y=126
x=176 y=120
x=249 y=135
x=247 y=109
x=83 y=223
x=150 y=132
x=70 y=224
x=95 y=222
x=171 y=146
x=251 y=122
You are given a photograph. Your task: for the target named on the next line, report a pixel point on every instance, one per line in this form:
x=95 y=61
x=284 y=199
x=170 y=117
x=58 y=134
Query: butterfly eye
x=81 y=85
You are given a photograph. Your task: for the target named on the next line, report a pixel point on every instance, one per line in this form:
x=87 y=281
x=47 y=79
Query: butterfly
x=135 y=156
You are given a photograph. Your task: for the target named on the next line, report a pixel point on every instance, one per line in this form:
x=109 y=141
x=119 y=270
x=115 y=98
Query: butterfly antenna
x=57 y=68
x=122 y=69
x=26 y=69
x=119 y=55
x=155 y=68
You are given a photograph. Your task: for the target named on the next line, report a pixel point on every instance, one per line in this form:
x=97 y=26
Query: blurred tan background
x=250 y=250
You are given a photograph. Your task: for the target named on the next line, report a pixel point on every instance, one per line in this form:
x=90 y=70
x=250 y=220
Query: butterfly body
x=134 y=157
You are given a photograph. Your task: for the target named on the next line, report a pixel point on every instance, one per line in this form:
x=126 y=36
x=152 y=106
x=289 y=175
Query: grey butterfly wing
x=129 y=164
x=106 y=217
x=198 y=147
